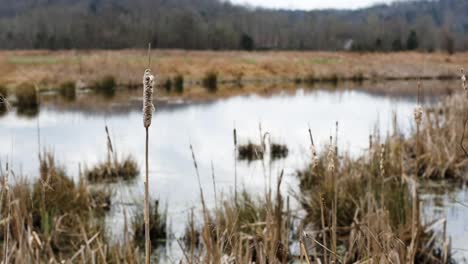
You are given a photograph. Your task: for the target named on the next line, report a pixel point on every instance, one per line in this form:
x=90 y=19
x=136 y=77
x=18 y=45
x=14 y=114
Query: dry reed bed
x=50 y=69
x=55 y=220
x=356 y=210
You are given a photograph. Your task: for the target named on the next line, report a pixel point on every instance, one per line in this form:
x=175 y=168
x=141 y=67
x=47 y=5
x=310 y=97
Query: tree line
x=220 y=25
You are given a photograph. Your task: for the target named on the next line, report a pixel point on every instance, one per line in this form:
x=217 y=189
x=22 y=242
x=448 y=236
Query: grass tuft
x=127 y=169
x=27 y=100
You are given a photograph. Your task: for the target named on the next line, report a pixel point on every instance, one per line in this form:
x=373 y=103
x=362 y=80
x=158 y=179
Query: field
x=49 y=70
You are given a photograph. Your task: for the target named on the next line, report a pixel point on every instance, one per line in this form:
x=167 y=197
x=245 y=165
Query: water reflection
x=450 y=202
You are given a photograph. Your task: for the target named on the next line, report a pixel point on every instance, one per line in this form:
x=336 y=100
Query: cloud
x=310 y=4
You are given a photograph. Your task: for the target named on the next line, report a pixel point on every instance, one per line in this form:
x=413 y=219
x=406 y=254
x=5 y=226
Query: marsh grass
x=125 y=169
x=244 y=231
x=53 y=219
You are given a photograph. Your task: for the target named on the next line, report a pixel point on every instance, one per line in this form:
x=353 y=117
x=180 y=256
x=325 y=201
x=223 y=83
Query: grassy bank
x=49 y=69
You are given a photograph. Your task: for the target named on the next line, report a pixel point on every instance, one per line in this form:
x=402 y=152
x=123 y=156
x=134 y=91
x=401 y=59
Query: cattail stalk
x=418 y=112
x=331 y=168
x=313 y=150
x=235 y=165
x=6 y=189
x=465 y=118
x=148 y=108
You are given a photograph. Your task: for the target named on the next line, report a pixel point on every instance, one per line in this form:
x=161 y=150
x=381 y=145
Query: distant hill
x=211 y=24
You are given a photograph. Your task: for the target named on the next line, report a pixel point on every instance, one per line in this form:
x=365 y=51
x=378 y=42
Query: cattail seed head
x=418 y=112
x=148 y=107
x=315 y=159
x=382 y=159
x=463 y=78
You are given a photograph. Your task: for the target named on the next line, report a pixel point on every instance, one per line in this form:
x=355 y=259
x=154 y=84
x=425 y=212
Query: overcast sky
x=311 y=4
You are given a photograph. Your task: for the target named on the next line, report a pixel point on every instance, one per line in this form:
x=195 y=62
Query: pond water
x=74 y=131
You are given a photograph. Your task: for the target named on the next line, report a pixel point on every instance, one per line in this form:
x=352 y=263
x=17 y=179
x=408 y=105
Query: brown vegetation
x=47 y=69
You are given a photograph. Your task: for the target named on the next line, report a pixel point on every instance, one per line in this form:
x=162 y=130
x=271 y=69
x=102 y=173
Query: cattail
x=315 y=159
x=331 y=156
x=382 y=159
x=463 y=78
x=418 y=112
x=148 y=108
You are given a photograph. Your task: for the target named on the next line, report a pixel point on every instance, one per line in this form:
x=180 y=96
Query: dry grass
x=46 y=68
x=356 y=210
x=113 y=169
x=126 y=169
x=54 y=219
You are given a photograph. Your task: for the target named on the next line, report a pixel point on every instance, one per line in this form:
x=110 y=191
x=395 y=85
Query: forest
x=439 y=25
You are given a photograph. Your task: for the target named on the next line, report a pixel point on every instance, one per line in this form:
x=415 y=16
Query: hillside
x=211 y=24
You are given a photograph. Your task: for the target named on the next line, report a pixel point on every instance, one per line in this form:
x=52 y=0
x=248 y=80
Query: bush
x=27 y=100
x=179 y=83
x=168 y=85
x=210 y=81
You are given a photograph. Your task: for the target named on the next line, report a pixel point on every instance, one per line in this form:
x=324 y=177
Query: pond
x=74 y=131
